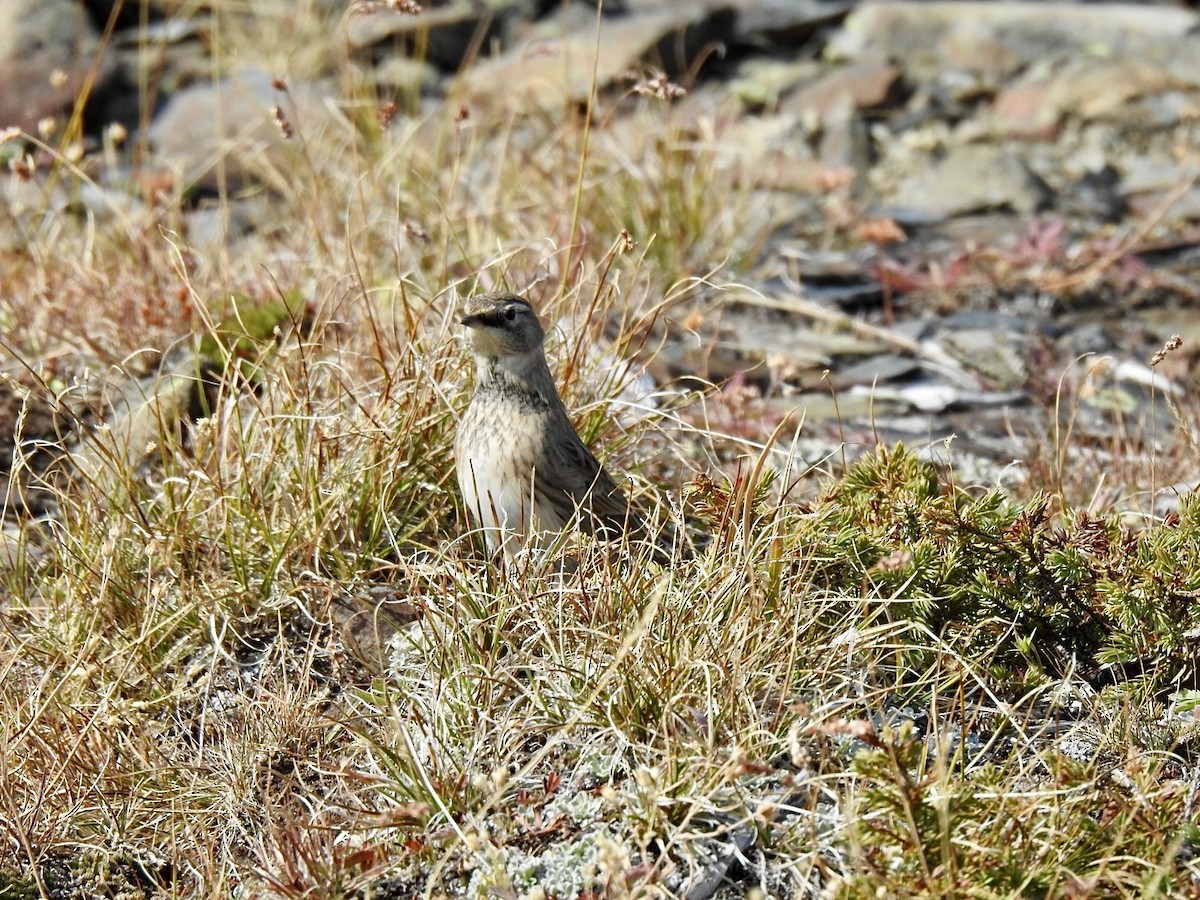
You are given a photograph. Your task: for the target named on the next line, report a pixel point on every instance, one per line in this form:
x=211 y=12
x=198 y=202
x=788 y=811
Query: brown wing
x=569 y=475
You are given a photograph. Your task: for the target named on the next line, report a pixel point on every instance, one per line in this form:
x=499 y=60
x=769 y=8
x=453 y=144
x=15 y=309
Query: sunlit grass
x=260 y=653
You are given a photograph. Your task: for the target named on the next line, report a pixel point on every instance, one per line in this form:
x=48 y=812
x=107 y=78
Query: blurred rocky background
x=959 y=216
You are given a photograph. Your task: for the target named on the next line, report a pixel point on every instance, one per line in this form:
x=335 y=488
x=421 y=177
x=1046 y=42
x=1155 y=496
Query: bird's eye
x=510 y=314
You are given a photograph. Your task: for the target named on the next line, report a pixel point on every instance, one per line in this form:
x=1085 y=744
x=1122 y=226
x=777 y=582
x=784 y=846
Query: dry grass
x=262 y=656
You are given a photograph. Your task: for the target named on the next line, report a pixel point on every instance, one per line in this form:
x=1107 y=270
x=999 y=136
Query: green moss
x=246 y=325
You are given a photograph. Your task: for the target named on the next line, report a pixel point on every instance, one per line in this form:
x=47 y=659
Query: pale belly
x=496 y=460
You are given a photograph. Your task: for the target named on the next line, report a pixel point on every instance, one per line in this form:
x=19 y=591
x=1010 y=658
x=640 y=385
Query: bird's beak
x=469 y=320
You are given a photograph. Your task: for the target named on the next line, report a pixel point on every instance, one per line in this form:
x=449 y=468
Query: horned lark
x=524 y=472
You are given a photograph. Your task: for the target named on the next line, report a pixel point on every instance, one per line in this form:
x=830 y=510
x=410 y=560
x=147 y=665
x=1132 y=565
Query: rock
x=561 y=19
x=973 y=177
x=994 y=229
x=1003 y=38
x=30 y=205
x=840 y=94
x=845 y=144
x=975 y=324
x=761 y=81
x=820 y=406
x=994 y=354
x=1135 y=372
x=224 y=133
x=1166 y=207
x=27 y=206
x=215 y=226
x=786 y=24
x=773 y=155
x=140 y=410
x=445 y=36
x=786 y=337
x=1092 y=89
x=727 y=851
x=406 y=76
x=1165 y=110
x=548 y=74
x=1142 y=173
x=1095 y=194
x=929 y=397
x=1024 y=110
x=836 y=265
x=182 y=53
x=47 y=48
x=1166 y=500
x=109 y=200
x=847 y=295
x=687 y=358
x=877 y=369
x=783 y=171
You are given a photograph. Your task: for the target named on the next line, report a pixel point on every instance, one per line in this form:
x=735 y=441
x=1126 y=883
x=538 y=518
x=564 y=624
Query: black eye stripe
x=499 y=314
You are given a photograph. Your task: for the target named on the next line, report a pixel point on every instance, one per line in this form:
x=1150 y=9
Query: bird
x=524 y=472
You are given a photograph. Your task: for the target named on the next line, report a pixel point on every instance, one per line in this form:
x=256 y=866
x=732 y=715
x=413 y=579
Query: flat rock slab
x=786 y=24
x=444 y=36
x=214 y=134
x=1087 y=89
x=47 y=48
x=544 y=74
x=970 y=178
x=840 y=93
x=1004 y=38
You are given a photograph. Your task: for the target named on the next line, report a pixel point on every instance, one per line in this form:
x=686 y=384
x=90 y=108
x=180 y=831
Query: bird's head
x=503 y=325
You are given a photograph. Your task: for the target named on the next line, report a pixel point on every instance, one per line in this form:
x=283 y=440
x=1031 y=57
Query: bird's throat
x=524 y=372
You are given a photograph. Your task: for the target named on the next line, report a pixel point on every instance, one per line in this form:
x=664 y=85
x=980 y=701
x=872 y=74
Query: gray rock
x=820 y=406
x=877 y=369
x=1164 y=110
x=786 y=24
x=46 y=50
x=845 y=144
x=994 y=353
x=139 y=411
x=798 y=343
x=816 y=263
x=211 y=227
x=924 y=396
x=26 y=207
x=853 y=295
x=1003 y=38
x=839 y=94
x=773 y=153
x=445 y=36
x=973 y=177
x=727 y=850
x=1160 y=172
x=1167 y=207
x=408 y=76
x=1086 y=88
x=180 y=53
x=761 y=81
x=108 y=201
x=974 y=321
x=547 y=74
x=211 y=135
